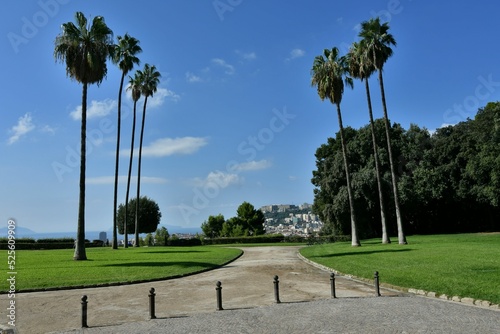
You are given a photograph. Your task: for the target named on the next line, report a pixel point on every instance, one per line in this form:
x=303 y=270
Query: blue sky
x=235 y=117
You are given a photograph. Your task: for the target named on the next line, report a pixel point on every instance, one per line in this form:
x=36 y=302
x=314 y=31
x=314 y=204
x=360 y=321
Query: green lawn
x=465 y=265
x=56 y=268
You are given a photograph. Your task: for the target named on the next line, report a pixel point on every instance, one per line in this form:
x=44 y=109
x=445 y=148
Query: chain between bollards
x=218 y=290
x=377 y=284
x=332 y=283
x=84 y=311
x=152 y=303
x=276 y=289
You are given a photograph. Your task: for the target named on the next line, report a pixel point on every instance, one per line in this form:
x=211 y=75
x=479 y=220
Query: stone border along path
x=247 y=286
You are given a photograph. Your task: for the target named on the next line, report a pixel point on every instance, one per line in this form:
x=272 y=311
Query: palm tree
x=135 y=86
x=361 y=67
x=378 y=42
x=328 y=75
x=150 y=78
x=124 y=54
x=85 y=49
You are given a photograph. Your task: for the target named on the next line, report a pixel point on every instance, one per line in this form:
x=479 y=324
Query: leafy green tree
x=213 y=226
x=328 y=75
x=378 y=41
x=84 y=49
x=161 y=236
x=361 y=67
x=227 y=229
x=148 y=218
x=250 y=219
x=150 y=79
x=124 y=54
x=149 y=240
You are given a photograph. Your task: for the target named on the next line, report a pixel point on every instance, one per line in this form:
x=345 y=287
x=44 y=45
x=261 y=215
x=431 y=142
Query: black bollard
x=276 y=289
x=332 y=282
x=152 y=303
x=84 y=311
x=218 y=290
x=377 y=286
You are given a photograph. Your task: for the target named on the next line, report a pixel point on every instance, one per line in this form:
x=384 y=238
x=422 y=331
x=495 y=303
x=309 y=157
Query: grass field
x=465 y=265
x=56 y=268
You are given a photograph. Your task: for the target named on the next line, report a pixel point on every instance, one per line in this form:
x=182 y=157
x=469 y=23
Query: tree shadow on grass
x=184 y=264
x=366 y=252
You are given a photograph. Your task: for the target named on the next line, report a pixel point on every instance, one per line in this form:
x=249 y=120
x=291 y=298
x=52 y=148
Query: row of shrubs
x=277 y=238
x=48 y=243
x=66 y=243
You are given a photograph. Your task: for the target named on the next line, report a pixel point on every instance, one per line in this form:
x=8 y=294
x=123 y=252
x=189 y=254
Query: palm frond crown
x=134 y=85
x=150 y=80
x=329 y=74
x=359 y=62
x=84 y=48
x=377 y=40
x=125 y=51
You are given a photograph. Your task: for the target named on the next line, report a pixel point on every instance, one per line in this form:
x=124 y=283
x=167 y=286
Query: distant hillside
x=23 y=232
x=20 y=231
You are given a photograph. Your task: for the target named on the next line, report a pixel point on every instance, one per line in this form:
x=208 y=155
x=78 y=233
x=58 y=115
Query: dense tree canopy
x=248 y=222
x=449 y=181
x=148 y=219
x=213 y=226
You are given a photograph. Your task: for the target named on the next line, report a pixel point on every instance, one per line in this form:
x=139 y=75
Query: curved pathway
x=189 y=304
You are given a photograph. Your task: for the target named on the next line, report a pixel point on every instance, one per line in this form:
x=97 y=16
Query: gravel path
x=188 y=305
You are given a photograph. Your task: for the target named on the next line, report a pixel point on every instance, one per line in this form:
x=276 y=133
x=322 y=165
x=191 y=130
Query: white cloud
x=169 y=146
x=23 y=126
x=190 y=77
x=247 y=55
x=296 y=53
x=228 y=69
x=48 y=129
x=252 y=165
x=96 y=109
x=219 y=179
x=160 y=96
x=105 y=180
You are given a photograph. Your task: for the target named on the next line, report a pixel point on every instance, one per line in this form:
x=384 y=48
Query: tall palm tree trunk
x=130 y=164
x=401 y=235
x=117 y=162
x=385 y=237
x=80 y=234
x=139 y=168
x=354 y=230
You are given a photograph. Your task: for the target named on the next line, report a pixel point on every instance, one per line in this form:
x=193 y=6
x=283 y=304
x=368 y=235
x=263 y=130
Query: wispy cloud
x=190 y=77
x=219 y=179
x=48 y=129
x=247 y=55
x=252 y=165
x=95 y=110
x=105 y=180
x=160 y=96
x=295 y=53
x=170 y=146
x=228 y=68
x=23 y=126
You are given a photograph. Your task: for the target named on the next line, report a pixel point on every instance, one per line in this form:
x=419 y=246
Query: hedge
x=49 y=243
